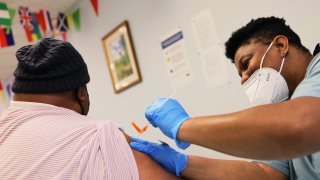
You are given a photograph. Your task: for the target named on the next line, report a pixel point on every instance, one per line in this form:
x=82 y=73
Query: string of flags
x=36 y=25
x=95 y=6
x=6 y=18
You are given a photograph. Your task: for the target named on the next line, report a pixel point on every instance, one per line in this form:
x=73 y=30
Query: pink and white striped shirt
x=41 y=141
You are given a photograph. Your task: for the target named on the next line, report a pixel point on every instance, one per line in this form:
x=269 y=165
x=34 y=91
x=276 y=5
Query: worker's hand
x=167 y=157
x=168 y=115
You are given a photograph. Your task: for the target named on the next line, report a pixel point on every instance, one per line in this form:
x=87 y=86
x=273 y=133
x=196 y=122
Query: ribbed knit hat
x=49 y=66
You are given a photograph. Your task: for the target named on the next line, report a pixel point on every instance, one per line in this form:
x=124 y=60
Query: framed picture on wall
x=121 y=57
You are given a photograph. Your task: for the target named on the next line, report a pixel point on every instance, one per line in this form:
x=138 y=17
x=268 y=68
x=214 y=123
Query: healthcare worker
x=282 y=78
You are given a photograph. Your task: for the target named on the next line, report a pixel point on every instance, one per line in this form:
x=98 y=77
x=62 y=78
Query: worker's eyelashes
x=245 y=63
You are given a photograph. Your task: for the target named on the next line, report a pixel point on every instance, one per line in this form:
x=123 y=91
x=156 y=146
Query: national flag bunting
x=62 y=23
x=44 y=21
x=3 y=39
x=38 y=24
x=30 y=24
x=6 y=39
x=4 y=15
x=25 y=17
x=95 y=6
x=48 y=21
x=76 y=18
x=12 y=13
x=40 y=17
x=28 y=34
x=35 y=31
x=69 y=21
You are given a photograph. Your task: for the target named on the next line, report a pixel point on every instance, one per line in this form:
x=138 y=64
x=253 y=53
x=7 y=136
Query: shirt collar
x=316 y=49
x=27 y=104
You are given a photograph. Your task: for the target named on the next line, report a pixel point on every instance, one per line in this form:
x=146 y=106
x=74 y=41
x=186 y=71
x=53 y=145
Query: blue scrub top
x=306 y=167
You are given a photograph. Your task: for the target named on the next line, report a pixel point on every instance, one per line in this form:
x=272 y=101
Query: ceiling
x=7 y=55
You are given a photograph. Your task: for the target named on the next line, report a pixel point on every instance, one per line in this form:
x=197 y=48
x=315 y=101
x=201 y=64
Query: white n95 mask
x=266 y=85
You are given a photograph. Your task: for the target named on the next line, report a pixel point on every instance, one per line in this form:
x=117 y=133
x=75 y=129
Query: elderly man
x=45 y=133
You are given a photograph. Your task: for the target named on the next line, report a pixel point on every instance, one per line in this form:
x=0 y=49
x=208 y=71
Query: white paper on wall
x=210 y=50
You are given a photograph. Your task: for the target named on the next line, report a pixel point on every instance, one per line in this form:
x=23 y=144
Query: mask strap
x=274 y=90
x=262 y=59
x=278 y=77
x=281 y=65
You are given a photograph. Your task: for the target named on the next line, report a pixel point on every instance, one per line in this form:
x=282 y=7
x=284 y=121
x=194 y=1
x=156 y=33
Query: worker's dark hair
x=262 y=30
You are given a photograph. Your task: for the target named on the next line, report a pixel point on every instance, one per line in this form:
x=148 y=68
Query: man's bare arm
x=148 y=168
x=204 y=168
x=283 y=130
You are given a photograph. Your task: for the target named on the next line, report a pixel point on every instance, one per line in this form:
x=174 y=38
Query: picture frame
x=121 y=57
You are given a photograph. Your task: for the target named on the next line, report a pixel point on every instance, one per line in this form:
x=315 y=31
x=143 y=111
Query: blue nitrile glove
x=171 y=160
x=168 y=115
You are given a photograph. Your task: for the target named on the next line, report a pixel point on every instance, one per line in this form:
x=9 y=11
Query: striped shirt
x=41 y=141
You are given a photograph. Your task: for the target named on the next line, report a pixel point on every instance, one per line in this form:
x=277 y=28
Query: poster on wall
x=176 y=59
x=210 y=50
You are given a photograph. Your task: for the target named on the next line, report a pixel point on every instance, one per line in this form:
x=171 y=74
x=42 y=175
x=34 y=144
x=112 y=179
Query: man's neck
x=302 y=62
x=57 y=99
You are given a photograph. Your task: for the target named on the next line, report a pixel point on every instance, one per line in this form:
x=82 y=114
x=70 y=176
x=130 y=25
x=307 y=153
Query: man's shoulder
x=44 y=113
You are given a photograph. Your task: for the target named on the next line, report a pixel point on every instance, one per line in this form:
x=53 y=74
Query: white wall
x=151 y=19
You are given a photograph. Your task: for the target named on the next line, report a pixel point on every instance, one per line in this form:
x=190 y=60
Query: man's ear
x=282 y=43
x=81 y=93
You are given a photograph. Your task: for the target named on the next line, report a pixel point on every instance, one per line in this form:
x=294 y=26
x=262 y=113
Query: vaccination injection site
x=159 y=90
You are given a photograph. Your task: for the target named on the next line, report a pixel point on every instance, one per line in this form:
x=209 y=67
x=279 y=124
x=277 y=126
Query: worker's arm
x=283 y=130
x=195 y=167
x=276 y=131
x=148 y=168
x=205 y=168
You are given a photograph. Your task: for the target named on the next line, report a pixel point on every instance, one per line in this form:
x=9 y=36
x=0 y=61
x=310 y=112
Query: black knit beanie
x=49 y=66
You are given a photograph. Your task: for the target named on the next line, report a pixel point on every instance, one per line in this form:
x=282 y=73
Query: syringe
x=142 y=130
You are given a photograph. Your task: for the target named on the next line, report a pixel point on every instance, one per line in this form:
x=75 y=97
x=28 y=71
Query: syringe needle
x=173 y=93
